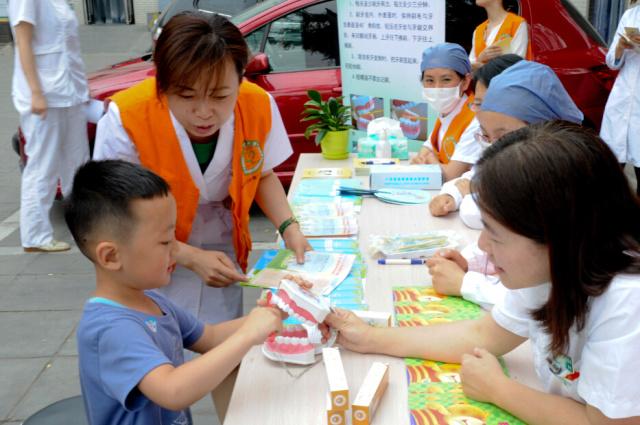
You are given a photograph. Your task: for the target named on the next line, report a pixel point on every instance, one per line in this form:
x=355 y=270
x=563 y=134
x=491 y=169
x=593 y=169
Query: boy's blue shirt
x=117 y=347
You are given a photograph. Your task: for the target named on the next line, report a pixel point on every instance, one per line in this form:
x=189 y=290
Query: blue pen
x=401 y=261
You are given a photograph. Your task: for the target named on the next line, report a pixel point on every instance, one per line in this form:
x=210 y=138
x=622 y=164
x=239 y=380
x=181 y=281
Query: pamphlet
x=343 y=173
x=324 y=269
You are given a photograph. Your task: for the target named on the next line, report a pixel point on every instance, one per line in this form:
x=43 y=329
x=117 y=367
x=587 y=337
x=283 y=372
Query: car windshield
x=255 y=10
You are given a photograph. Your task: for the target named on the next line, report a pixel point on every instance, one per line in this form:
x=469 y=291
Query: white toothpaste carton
x=370 y=393
x=335 y=417
x=378 y=319
x=338 y=388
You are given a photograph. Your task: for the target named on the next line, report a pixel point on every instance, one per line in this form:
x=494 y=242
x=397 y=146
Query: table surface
x=266 y=391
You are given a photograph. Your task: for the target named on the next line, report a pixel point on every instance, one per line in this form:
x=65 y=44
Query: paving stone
x=17 y=377
x=31 y=292
x=58 y=381
x=34 y=334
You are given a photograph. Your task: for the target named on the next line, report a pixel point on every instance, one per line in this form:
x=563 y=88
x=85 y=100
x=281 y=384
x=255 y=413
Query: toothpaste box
x=423 y=176
x=374 y=385
x=335 y=417
x=338 y=388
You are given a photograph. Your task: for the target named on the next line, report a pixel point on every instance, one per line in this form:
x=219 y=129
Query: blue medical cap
x=446 y=55
x=531 y=92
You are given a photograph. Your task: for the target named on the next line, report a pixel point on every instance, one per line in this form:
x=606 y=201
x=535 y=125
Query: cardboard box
x=423 y=176
x=376 y=319
x=338 y=388
x=335 y=417
x=370 y=393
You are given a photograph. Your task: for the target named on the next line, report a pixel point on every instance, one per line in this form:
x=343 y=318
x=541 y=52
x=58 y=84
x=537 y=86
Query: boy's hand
x=442 y=205
x=260 y=323
x=481 y=374
x=296 y=242
x=215 y=268
x=446 y=275
x=353 y=333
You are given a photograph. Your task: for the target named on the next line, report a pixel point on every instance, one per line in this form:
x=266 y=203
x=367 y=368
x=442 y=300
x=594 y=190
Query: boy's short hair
x=101 y=199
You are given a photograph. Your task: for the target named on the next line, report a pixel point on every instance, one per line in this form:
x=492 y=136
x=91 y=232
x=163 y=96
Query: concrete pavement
x=41 y=295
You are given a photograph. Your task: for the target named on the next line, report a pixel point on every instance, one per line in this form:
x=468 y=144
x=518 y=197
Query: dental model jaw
x=298 y=344
x=300 y=303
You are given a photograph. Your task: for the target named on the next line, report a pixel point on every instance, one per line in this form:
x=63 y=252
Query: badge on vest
x=562 y=367
x=252 y=157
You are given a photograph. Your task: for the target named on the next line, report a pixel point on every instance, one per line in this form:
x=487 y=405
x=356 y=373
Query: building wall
x=141 y=9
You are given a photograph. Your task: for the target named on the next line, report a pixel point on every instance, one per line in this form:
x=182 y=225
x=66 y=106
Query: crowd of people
x=162 y=211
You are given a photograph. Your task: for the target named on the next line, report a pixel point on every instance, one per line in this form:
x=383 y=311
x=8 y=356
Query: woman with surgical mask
x=446 y=78
x=525 y=93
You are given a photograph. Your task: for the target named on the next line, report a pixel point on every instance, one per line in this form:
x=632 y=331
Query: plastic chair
x=69 y=411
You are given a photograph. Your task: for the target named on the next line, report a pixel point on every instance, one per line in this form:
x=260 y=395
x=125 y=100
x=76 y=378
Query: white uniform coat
x=621 y=122
x=212 y=227
x=57 y=144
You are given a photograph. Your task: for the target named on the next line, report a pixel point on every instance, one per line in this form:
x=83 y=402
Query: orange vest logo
x=252 y=156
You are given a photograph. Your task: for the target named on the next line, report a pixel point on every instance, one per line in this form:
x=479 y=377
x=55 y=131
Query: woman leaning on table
x=216 y=139
x=573 y=269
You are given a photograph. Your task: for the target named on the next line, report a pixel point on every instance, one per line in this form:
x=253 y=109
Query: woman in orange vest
x=446 y=78
x=503 y=32
x=215 y=138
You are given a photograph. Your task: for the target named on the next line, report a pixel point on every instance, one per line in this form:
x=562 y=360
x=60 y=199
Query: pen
x=377 y=163
x=401 y=261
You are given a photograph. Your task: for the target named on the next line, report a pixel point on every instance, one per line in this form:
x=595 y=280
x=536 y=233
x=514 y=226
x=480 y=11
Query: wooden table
x=265 y=393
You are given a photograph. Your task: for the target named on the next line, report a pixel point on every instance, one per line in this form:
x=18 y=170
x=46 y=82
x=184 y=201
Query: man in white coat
x=49 y=92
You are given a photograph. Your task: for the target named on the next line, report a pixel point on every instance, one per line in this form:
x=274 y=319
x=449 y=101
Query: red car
x=286 y=61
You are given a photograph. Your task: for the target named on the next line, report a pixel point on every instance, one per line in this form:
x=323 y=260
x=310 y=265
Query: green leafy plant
x=329 y=115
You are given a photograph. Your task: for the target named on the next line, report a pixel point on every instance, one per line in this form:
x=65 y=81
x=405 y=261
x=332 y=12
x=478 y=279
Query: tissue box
x=424 y=176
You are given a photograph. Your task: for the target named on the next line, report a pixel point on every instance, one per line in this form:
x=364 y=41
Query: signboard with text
x=381 y=44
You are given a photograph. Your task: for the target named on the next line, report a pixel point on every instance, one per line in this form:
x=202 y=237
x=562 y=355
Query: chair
x=69 y=411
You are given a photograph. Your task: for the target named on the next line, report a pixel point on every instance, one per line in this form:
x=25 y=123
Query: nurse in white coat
x=621 y=122
x=49 y=91
x=213 y=137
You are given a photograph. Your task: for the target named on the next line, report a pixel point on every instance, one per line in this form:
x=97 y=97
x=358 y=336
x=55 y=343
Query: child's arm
x=179 y=387
x=214 y=335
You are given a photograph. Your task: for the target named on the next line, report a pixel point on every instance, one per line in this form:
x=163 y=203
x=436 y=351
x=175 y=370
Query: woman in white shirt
x=573 y=269
x=49 y=91
x=503 y=32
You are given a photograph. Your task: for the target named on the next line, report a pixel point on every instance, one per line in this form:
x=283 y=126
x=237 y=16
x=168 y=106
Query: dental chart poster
x=381 y=45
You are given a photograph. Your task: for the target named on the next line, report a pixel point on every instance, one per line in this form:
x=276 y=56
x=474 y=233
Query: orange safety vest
x=146 y=118
x=452 y=136
x=505 y=34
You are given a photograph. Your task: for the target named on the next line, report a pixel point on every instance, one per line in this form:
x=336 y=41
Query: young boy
x=131 y=339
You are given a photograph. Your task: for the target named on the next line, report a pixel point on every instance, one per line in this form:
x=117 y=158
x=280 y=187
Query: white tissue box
x=424 y=176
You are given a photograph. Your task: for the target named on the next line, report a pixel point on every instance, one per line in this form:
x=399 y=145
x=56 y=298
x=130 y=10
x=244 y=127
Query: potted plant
x=331 y=126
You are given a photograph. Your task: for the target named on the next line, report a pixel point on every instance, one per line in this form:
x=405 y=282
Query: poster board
x=381 y=45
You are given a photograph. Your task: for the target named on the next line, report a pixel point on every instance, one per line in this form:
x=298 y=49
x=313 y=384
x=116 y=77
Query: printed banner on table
x=435 y=389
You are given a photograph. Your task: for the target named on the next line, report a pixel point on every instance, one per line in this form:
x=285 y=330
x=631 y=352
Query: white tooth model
x=298 y=344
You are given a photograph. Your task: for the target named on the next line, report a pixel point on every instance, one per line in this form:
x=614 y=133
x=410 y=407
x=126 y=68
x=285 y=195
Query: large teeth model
x=298 y=344
x=300 y=303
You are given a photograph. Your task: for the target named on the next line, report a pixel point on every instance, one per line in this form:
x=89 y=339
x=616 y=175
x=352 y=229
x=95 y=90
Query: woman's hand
x=425 y=156
x=353 y=333
x=489 y=53
x=464 y=186
x=39 y=104
x=446 y=275
x=296 y=242
x=215 y=268
x=442 y=205
x=481 y=374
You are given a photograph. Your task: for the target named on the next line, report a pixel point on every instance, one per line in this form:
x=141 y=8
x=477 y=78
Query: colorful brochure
x=325 y=270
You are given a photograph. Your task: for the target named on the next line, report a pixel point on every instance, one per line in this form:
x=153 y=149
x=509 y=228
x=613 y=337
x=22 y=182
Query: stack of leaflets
x=413 y=245
x=435 y=389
